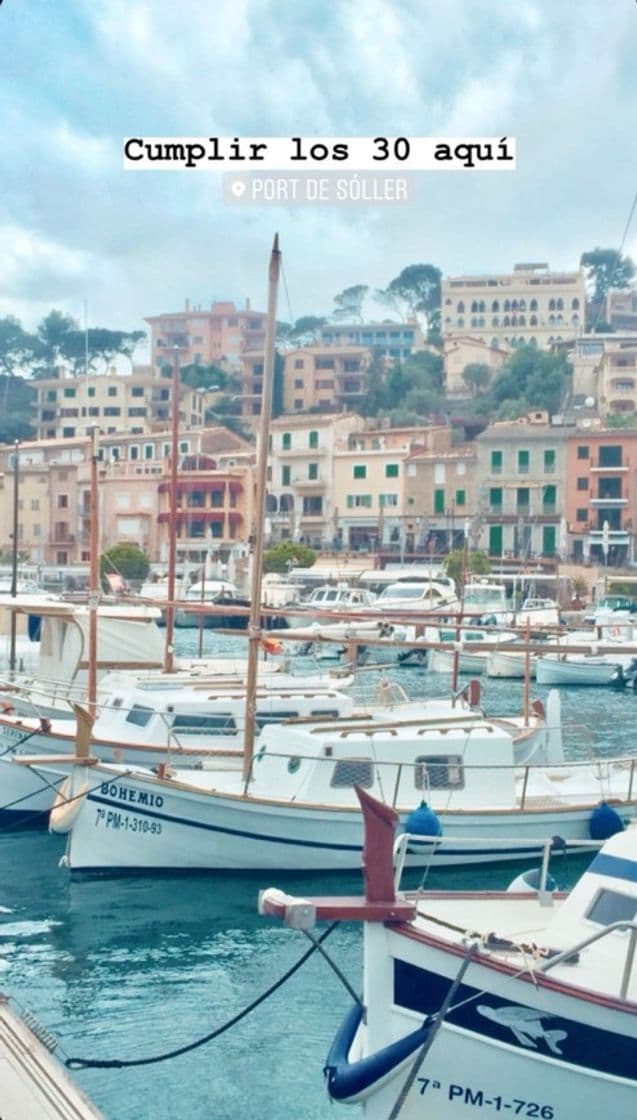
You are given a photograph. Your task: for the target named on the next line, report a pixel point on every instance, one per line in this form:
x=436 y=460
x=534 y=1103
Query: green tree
x=416 y=288
x=477 y=563
x=17 y=347
x=198 y=376
x=530 y=378
x=288 y=554
x=126 y=560
x=606 y=269
x=306 y=329
x=349 y=302
x=476 y=376
x=56 y=339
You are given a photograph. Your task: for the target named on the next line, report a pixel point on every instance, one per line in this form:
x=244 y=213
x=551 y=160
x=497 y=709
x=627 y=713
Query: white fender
x=65 y=811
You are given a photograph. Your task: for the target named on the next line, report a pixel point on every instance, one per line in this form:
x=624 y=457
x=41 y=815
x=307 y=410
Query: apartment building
x=371 y=510
x=521 y=500
x=601 y=493
x=216 y=335
x=300 y=499
x=530 y=305
x=460 y=351
x=315 y=378
x=620 y=310
x=605 y=370
x=140 y=402
x=442 y=497
x=392 y=340
x=133 y=475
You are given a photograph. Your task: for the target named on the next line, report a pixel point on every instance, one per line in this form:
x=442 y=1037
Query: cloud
x=73 y=86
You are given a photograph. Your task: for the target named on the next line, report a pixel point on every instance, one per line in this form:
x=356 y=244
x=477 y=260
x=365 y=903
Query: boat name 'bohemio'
x=137 y=797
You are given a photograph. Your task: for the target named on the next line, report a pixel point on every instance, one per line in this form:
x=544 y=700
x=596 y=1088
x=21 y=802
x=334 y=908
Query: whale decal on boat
x=525 y=1024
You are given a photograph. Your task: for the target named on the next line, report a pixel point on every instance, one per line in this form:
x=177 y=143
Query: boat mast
x=169 y=662
x=254 y=621
x=14 y=552
x=93 y=584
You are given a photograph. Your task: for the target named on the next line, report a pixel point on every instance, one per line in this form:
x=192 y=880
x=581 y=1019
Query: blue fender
x=347 y=1080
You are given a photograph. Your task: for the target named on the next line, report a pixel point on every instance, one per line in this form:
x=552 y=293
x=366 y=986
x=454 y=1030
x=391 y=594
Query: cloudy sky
x=76 y=76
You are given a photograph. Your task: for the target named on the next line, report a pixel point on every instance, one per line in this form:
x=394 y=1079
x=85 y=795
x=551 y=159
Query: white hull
x=502 y=663
x=138 y=822
x=442 y=661
x=583 y=671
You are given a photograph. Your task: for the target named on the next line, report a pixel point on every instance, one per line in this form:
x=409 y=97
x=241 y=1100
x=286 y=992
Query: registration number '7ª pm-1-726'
x=478 y=1098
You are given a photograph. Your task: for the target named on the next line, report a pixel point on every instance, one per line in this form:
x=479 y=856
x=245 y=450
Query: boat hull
x=139 y=823
x=551 y=671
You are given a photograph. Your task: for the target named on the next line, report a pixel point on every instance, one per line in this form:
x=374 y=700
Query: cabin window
x=263 y=718
x=442 y=771
x=222 y=723
x=294 y=764
x=352 y=772
x=611 y=906
x=325 y=713
x=139 y=715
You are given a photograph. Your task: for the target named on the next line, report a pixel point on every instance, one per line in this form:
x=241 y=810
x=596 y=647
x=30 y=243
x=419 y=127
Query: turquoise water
x=124 y=968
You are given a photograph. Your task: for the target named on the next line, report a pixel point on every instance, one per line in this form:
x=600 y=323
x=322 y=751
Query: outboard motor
x=619 y=679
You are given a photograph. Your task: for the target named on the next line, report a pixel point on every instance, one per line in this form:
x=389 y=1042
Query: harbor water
x=130 y=968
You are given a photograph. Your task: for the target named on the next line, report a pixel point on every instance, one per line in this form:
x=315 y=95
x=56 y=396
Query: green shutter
x=391 y=470
x=313 y=439
x=549 y=461
x=312 y=472
x=460 y=500
x=286 y=441
x=285 y=476
x=496 y=461
x=495 y=498
x=439 y=501
x=523 y=461
x=548 y=540
x=550 y=493
x=495 y=540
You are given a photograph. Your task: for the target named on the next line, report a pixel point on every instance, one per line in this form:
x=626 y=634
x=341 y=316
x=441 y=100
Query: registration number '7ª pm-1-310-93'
x=111 y=818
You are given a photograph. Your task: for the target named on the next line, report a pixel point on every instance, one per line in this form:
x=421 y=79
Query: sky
x=77 y=76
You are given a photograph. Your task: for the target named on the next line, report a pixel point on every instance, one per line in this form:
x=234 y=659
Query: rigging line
x=619 y=253
x=287 y=295
x=116 y=1063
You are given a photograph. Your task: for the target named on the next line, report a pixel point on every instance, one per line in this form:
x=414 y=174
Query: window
x=137 y=411
x=582 y=484
x=523 y=462
x=139 y=715
x=549 y=498
x=610 y=456
x=323 y=363
x=583 y=452
x=285 y=476
x=63 y=501
x=286 y=441
x=312 y=472
x=496 y=462
x=391 y=470
x=460 y=497
x=549 y=462
x=112 y=390
x=61 y=558
x=312 y=507
x=495 y=498
x=299 y=363
x=439 y=772
x=149 y=451
x=385 y=500
x=356 y=501
x=35 y=503
x=112 y=410
x=69 y=392
x=495 y=540
x=91 y=390
x=611 y=906
x=523 y=498
x=298 y=384
x=313 y=439
x=360 y=471
x=352 y=772
x=137 y=391
x=439 y=501
x=68 y=433
x=298 y=404
x=581 y=515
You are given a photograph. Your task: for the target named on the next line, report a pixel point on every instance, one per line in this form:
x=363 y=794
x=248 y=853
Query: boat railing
x=551 y=844
x=629 y=927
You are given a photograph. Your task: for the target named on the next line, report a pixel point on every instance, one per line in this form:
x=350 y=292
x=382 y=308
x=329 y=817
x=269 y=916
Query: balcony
x=609 y=503
x=301 y=452
x=304 y=483
x=598 y=468
x=615 y=536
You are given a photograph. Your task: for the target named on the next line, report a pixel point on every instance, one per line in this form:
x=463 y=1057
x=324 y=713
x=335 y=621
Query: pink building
x=217 y=336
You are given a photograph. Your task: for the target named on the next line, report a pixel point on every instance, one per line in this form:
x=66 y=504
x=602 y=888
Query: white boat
x=538 y=614
x=219 y=593
x=472 y=649
x=150 y=723
x=522 y=1002
x=560 y=669
x=483 y=598
x=417 y=597
x=509 y=663
x=339 y=598
x=299 y=812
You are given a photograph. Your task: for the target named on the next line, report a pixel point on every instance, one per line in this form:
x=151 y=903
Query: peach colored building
x=461 y=351
x=601 y=494
x=371 y=510
x=216 y=335
x=442 y=497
